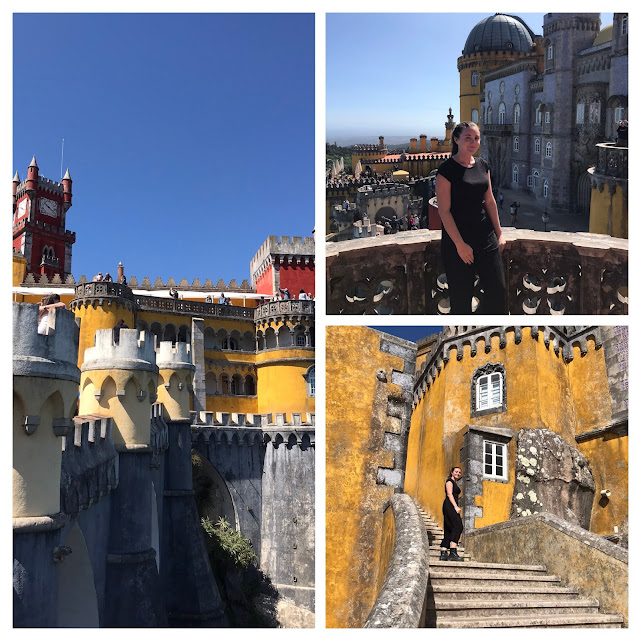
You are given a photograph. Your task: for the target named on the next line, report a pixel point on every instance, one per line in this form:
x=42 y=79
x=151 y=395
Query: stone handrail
x=285 y=308
x=401 y=601
x=546 y=273
x=99 y=289
x=612 y=160
x=194 y=308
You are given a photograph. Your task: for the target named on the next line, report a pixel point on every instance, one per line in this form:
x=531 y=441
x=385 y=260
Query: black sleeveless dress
x=452 y=523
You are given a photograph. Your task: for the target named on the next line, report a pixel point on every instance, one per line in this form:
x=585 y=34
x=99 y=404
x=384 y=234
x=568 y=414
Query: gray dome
x=499 y=32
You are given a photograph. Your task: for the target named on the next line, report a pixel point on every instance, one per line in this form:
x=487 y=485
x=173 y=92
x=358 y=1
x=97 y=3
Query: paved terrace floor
x=529 y=216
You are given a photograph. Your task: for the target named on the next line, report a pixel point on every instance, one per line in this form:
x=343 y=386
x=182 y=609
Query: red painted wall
x=297 y=277
x=264 y=283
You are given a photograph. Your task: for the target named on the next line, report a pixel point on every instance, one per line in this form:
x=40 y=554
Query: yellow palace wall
x=359 y=532
x=542 y=392
x=609 y=212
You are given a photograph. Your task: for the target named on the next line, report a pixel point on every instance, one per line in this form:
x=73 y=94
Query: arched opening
x=209 y=338
x=213 y=498
x=385 y=212
x=250 y=386
x=156 y=330
x=210 y=384
x=583 y=193
x=183 y=334
x=223 y=339
x=170 y=333
x=77 y=600
x=270 y=338
x=284 y=337
x=260 y=340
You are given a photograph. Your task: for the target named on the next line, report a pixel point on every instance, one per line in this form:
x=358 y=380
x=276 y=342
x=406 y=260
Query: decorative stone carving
x=551 y=476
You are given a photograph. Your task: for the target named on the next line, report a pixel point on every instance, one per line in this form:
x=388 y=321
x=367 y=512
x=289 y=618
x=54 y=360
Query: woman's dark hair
x=458 y=130
x=47 y=299
x=449 y=476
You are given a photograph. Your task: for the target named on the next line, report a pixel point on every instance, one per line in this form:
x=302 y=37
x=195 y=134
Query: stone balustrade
x=193 y=308
x=280 y=309
x=612 y=161
x=546 y=273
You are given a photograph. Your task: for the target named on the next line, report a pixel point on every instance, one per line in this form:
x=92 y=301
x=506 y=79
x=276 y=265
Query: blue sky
x=189 y=138
x=395 y=74
x=410 y=333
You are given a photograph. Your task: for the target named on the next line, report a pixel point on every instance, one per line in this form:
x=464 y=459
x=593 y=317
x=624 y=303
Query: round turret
x=45 y=392
x=66 y=185
x=120 y=380
x=499 y=32
x=175 y=379
x=32 y=175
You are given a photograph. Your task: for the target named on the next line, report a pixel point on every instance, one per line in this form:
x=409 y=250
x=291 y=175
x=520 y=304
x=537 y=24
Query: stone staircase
x=501 y=595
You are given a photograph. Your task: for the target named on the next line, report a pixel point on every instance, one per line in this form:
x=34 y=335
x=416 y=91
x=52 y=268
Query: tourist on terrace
x=222 y=300
x=209 y=299
x=452 y=523
x=117 y=327
x=472 y=239
x=48 y=302
x=302 y=295
x=108 y=278
x=173 y=292
x=97 y=278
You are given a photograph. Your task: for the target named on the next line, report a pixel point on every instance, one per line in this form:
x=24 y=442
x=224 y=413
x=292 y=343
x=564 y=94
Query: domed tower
x=495 y=41
x=45 y=392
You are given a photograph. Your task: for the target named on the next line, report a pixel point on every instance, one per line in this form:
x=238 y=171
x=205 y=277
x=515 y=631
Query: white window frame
x=515 y=146
x=546 y=188
x=619 y=114
x=530 y=181
x=580 y=113
x=475 y=116
x=547 y=117
x=550 y=52
x=515 y=174
x=493 y=452
x=310 y=381
x=535 y=179
x=595 y=113
x=538 y=115
x=502 y=113
x=537 y=145
x=494 y=381
x=624 y=26
x=548 y=150
x=475 y=78
x=517 y=113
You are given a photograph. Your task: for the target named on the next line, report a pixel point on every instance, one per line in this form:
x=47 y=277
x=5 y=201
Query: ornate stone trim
x=488 y=368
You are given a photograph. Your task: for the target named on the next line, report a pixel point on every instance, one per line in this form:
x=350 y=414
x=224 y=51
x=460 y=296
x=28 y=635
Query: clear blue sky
x=410 y=333
x=394 y=74
x=189 y=138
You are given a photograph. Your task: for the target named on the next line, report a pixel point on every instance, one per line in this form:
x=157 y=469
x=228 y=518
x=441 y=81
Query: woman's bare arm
x=444 y=201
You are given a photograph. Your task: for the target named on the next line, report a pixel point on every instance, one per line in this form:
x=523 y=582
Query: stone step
x=500 y=568
x=523 y=607
x=443 y=577
x=546 y=621
x=497 y=592
x=436 y=556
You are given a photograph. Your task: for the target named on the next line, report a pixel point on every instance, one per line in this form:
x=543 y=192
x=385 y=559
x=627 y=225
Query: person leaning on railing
x=472 y=239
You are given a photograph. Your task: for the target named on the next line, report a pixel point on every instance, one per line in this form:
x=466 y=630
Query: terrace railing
x=546 y=273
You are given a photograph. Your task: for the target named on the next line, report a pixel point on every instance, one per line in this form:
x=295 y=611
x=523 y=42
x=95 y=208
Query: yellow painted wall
x=93 y=318
x=19 y=270
x=229 y=403
x=542 y=392
x=609 y=212
x=176 y=401
x=355 y=503
x=37 y=457
x=281 y=386
x=131 y=415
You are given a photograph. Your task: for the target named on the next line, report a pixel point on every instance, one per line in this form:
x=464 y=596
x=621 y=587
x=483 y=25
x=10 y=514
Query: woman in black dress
x=452 y=524
x=472 y=239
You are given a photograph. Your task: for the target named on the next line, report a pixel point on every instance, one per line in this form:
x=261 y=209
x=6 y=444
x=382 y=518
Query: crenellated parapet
x=561 y=341
x=265 y=421
x=103 y=293
x=250 y=436
x=175 y=379
x=89 y=469
x=283 y=311
x=121 y=380
x=282 y=251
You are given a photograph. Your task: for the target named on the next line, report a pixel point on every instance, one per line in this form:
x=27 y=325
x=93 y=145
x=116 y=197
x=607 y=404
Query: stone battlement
x=227 y=419
x=174 y=356
x=89 y=469
x=135 y=351
x=283 y=245
x=562 y=344
x=51 y=355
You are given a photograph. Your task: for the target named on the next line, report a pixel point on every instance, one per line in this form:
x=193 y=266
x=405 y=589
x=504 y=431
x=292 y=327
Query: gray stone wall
x=615 y=349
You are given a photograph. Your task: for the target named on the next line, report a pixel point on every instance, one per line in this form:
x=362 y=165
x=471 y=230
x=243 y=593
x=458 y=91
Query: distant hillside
x=336 y=152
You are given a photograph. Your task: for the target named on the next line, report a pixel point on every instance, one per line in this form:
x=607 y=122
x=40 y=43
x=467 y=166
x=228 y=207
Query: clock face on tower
x=23 y=208
x=48 y=207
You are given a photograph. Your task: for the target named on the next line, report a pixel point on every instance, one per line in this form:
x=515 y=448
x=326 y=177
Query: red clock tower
x=40 y=207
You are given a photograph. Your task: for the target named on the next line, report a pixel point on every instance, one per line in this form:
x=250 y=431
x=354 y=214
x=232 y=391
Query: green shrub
x=231 y=542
